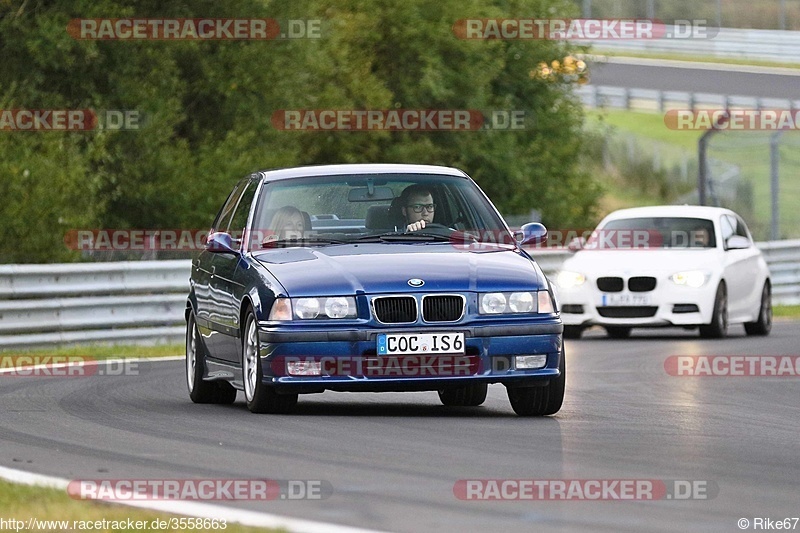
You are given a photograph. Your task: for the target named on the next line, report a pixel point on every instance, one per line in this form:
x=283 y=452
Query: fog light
x=304 y=368
x=530 y=361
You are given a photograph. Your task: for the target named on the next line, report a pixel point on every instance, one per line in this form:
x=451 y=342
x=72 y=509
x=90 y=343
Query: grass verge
x=786 y=311
x=99 y=351
x=23 y=502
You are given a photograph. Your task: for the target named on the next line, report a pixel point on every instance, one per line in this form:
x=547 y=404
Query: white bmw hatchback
x=673 y=266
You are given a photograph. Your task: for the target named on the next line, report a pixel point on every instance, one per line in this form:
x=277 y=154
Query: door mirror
x=532 y=233
x=220 y=242
x=737 y=242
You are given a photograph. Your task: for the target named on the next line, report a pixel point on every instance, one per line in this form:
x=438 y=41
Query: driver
x=418 y=207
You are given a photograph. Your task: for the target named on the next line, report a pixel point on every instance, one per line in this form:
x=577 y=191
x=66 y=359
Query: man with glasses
x=417 y=206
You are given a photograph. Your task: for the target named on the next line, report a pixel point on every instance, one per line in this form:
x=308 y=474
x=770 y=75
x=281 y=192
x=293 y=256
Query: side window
x=728 y=225
x=223 y=219
x=741 y=228
x=242 y=211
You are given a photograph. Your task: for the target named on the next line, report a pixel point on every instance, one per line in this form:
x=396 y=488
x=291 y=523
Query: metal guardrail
x=143 y=302
x=45 y=305
x=783 y=258
x=659 y=101
x=771 y=45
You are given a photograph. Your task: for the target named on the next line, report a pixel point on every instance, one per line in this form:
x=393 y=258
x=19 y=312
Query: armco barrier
x=136 y=302
x=770 y=45
x=124 y=302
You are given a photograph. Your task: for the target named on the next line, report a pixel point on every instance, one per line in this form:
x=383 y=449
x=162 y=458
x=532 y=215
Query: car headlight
x=306 y=308
x=690 y=278
x=494 y=303
x=521 y=302
x=313 y=308
x=567 y=279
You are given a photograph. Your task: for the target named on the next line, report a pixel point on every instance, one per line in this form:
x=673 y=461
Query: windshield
x=654 y=232
x=375 y=208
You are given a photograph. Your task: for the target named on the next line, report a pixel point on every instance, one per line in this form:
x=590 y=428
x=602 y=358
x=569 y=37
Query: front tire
x=260 y=398
x=718 y=328
x=200 y=390
x=763 y=325
x=572 y=332
x=540 y=401
x=471 y=395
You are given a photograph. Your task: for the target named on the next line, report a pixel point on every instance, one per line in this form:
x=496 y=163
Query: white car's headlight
x=690 y=278
x=567 y=279
x=494 y=303
x=313 y=308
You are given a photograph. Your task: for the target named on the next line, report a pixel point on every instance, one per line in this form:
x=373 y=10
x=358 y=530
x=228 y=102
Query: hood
x=661 y=262
x=386 y=268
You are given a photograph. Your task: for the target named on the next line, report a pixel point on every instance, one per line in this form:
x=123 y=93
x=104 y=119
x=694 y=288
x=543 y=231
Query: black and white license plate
x=420 y=343
x=624 y=299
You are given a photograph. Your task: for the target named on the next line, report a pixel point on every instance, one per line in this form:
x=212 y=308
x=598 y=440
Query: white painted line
x=697 y=65
x=194 y=509
x=89 y=361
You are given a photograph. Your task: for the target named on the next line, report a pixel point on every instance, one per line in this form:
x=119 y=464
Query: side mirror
x=220 y=242
x=737 y=242
x=532 y=233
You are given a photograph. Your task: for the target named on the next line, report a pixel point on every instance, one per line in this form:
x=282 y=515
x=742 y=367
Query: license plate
x=420 y=343
x=625 y=299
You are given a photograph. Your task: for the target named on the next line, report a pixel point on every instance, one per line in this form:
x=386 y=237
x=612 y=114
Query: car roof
x=362 y=168
x=679 y=211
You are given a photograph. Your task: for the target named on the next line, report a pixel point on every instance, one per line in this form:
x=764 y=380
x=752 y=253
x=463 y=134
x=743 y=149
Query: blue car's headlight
x=313 y=308
x=494 y=303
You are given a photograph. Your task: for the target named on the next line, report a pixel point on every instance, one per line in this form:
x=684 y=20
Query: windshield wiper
x=300 y=242
x=414 y=236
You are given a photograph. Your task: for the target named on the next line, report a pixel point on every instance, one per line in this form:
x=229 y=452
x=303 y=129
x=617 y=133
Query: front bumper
x=667 y=305
x=350 y=358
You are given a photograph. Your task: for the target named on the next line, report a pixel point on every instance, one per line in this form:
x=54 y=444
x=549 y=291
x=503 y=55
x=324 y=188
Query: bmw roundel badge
x=416 y=282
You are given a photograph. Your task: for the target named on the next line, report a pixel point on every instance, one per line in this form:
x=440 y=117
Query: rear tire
x=618 y=332
x=200 y=390
x=763 y=325
x=260 y=398
x=471 y=395
x=540 y=401
x=572 y=332
x=718 y=328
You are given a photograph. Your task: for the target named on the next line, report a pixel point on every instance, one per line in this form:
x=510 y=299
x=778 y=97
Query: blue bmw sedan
x=369 y=278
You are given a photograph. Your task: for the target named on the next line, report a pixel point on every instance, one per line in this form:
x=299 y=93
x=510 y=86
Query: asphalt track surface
x=393 y=459
x=699 y=80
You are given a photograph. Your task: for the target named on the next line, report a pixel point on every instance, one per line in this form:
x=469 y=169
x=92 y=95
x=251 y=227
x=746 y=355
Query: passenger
x=287 y=223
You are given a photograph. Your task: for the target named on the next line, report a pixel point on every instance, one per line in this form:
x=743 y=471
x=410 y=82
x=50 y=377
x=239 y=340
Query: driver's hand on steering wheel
x=416 y=226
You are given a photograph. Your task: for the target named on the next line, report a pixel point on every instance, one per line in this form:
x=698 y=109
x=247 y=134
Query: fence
x=143 y=302
x=660 y=101
x=766 y=14
x=765 y=45
x=125 y=302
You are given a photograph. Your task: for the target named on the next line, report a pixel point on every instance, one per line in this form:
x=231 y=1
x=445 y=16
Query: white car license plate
x=624 y=299
x=420 y=343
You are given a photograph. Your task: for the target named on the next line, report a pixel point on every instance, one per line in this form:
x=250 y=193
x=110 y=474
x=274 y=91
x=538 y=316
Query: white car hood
x=661 y=262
